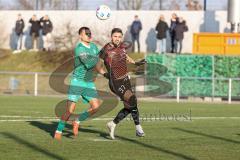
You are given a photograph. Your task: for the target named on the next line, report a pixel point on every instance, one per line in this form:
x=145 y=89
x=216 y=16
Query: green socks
x=83 y=116
x=61 y=125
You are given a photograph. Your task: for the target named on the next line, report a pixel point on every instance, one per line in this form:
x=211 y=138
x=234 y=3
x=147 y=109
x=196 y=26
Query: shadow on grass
x=207 y=135
x=50 y=128
x=32 y=146
x=156 y=148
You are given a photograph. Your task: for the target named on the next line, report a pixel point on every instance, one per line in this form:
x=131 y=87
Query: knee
x=93 y=109
x=95 y=106
x=71 y=110
x=132 y=101
x=71 y=107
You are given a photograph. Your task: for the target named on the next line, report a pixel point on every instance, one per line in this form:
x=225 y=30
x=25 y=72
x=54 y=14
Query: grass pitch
x=173 y=131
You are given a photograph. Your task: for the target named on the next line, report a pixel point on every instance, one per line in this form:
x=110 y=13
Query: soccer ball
x=103 y=12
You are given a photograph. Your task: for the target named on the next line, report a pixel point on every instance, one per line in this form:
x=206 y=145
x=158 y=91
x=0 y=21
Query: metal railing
x=37 y=83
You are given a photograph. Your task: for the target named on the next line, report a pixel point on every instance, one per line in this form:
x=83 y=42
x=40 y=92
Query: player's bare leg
x=94 y=105
x=70 y=107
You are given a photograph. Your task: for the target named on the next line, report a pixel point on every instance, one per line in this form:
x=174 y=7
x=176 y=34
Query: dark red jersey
x=115 y=60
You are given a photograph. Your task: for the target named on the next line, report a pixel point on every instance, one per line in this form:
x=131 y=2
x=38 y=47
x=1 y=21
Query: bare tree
x=42 y=4
x=3 y=37
x=175 y=5
x=1 y=5
x=55 y=4
x=137 y=4
x=64 y=4
x=71 y=4
x=101 y=37
x=194 y=5
x=26 y=4
x=180 y=4
x=67 y=39
x=39 y=4
x=130 y=4
x=46 y=4
x=153 y=4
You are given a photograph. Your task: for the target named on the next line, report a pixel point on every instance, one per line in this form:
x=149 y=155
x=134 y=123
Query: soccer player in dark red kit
x=115 y=60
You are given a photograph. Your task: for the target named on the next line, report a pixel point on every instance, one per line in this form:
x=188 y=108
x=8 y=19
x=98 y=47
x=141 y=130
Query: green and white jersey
x=85 y=59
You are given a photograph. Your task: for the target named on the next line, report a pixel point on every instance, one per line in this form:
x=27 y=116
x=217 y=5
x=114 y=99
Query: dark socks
x=135 y=115
x=121 y=115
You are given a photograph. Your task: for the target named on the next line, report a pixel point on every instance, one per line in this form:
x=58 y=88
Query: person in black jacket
x=136 y=27
x=47 y=28
x=173 y=23
x=19 y=26
x=34 y=32
x=161 y=29
x=180 y=28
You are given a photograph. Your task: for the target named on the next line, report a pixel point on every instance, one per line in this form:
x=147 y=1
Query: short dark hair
x=82 y=29
x=116 y=30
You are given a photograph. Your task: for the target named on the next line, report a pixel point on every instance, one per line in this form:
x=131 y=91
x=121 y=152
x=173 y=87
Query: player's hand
x=141 y=62
x=106 y=75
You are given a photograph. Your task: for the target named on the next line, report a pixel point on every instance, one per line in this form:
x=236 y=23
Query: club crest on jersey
x=83 y=55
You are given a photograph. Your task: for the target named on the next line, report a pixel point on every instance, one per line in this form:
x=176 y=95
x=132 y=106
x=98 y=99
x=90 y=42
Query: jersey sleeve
x=97 y=50
x=87 y=60
x=102 y=53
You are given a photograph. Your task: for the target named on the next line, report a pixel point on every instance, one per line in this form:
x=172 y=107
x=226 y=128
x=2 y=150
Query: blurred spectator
x=180 y=28
x=173 y=24
x=161 y=29
x=19 y=26
x=34 y=32
x=136 y=27
x=47 y=28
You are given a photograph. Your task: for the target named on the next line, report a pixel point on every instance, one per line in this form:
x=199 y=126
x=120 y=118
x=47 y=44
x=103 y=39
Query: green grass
x=184 y=139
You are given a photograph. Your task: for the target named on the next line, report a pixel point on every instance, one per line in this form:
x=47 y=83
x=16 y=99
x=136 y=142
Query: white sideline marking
x=102 y=140
x=197 y=118
x=25 y=120
x=12 y=118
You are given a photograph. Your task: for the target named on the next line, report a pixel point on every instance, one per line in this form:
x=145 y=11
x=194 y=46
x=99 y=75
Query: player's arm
x=130 y=60
x=138 y=63
x=88 y=61
x=99 y=66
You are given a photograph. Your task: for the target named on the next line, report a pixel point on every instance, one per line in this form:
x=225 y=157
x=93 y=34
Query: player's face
x=85 y=36
x=117 y=38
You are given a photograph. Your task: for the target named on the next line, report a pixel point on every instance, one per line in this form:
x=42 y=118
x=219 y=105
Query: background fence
x=197 y=75
x=37 y=84
x=166 y=76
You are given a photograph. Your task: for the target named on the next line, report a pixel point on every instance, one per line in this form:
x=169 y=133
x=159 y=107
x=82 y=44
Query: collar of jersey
x=86 y=45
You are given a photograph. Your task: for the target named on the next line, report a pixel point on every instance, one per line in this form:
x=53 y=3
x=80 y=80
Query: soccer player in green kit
x=81 y=83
